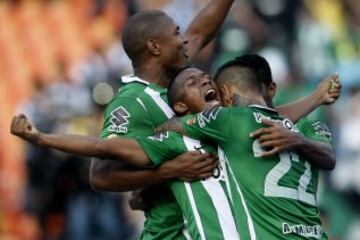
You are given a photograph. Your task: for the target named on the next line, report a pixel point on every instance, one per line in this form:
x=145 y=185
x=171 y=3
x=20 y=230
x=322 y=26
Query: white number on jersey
x=272 y=188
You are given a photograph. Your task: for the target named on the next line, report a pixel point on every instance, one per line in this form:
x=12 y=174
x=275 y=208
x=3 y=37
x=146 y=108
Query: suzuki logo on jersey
x=208 y=115
x=159 y=137
x=119 y=120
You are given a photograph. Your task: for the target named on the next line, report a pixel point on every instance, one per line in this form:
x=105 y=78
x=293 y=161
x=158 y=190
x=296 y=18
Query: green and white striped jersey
x=273 y=197
x=137 y=109
x=205 y=204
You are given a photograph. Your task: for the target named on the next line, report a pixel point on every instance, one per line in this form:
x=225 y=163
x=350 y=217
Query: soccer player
x=157 y=49
x=215 y=221
x=274 y=171
x=204 y=204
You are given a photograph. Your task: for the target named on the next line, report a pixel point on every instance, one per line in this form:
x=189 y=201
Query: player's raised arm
x=205 y=25
x=122 y=149
x=327 y=92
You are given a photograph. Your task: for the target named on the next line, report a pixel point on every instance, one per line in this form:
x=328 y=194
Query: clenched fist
x=21 y=127
x=329 y=89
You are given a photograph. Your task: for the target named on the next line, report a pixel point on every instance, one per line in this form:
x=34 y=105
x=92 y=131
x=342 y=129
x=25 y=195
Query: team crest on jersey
x=191 y=121
x=159 y=137
x=119 y=119
x=208 y=115
x=321 y=129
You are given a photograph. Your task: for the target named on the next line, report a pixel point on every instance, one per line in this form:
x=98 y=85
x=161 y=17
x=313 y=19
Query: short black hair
x=258 y=64
x=174 y=93
x=139 y=28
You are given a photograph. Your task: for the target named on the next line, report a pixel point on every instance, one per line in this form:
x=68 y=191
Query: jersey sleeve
x=162 y=147
x=211 y=124
x=125 y=116
x=314 y=130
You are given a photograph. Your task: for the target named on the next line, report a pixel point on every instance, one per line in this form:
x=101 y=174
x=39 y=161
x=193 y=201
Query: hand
x=329 y=90
x=172 y=124
x=137 y=201
x=275 y=138
x=21 y=127
x=191 y=166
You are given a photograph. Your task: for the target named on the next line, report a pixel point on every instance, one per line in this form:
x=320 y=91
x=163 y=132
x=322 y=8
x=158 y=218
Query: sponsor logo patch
x=208 y=115
x=314 y=231
x=159 y=137
x=285 y=122
x=321 y=129
x=191 y=121
x=119 y=119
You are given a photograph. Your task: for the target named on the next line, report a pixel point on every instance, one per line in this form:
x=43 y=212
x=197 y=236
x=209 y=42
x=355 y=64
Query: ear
x=226 y=95
x=272 y=90
x=181 y=108
x=153 y=47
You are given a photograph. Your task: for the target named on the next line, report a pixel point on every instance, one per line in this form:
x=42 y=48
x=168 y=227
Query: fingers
x=208 y=169
x=21 y=115
x=270 y=144
x=260 y=132
x=209 y=162
x=271 y=152
x=20 y=125
x=206 y=175
x=268 y=122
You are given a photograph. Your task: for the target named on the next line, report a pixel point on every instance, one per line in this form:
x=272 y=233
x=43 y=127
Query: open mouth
x=210 y=95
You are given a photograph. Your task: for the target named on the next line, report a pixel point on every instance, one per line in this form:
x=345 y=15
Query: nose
x=205 y=80
x=184 y=40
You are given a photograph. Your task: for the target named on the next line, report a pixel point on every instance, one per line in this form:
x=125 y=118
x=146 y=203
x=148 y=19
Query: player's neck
x=247 y=100
x=153 y=73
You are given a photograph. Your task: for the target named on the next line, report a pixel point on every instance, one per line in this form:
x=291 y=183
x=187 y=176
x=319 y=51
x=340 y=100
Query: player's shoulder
x=131 y=90
x=310 y=126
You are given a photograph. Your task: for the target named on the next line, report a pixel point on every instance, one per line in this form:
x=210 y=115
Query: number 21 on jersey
x=272 y=187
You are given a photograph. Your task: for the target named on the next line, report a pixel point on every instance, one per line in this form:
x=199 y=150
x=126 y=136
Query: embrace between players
x=241 y=170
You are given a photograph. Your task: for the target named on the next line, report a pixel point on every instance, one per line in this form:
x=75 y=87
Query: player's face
x=200 y=91
x=173 y=46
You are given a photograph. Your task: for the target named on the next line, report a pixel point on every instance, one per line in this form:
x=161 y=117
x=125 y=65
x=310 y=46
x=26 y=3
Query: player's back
x=279 y=192
x=273 y=197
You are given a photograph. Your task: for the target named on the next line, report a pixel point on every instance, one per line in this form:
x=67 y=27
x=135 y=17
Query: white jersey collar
x=263 y=107
x=132 y=78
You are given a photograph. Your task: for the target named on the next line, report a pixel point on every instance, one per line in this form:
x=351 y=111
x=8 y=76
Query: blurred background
x=61 y=62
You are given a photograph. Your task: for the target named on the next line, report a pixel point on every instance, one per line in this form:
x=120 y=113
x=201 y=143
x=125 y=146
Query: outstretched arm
x=115 y=175
x=205 y=25
x=123 y=149
x=326 y=93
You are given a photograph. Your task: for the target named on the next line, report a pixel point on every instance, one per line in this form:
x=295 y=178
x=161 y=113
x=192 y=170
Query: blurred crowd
x=61 y=63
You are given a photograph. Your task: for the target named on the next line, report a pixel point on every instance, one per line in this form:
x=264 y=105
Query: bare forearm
x=301 y=108
x=116 y=177
x=118 y=149
x=318 y=154
x=75 y=144
x=205 y=25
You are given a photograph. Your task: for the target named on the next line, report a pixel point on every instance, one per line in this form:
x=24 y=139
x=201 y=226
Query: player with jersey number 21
x=273 y=165
x=192 y=93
